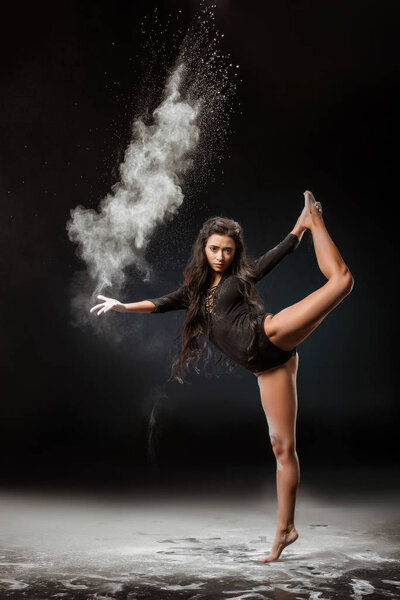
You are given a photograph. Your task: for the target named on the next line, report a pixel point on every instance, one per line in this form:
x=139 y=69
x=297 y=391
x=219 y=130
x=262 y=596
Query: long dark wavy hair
x=197 y=280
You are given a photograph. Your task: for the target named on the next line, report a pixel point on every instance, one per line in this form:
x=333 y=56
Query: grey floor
x=202 y=546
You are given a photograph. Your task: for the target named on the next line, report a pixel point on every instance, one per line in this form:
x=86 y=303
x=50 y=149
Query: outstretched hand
x=108 y=304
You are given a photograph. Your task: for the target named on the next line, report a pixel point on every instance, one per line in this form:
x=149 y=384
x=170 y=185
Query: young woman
x=221 y=302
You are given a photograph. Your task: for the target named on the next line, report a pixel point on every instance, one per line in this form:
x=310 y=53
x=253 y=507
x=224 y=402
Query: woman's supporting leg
x=279 y=400
x=292 y=325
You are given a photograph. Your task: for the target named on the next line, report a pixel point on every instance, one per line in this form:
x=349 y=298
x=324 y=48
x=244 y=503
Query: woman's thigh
x=279 y=400
x=289 y=327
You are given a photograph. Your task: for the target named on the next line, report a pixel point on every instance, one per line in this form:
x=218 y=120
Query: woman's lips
x=218 y=264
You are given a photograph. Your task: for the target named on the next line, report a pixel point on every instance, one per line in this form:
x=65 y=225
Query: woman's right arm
x=174 y=301
x=145 y=306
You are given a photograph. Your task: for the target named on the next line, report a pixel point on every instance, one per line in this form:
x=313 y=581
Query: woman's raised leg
x=287 y=328
x=279 y=400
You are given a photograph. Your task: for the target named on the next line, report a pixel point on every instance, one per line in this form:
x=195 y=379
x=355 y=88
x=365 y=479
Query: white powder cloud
x=148 y=193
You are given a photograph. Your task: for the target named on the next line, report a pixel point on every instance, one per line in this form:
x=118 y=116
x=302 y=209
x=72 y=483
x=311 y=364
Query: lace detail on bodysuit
x=209 y=301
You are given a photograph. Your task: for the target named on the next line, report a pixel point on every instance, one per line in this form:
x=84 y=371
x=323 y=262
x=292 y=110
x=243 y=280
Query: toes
x=269 y=558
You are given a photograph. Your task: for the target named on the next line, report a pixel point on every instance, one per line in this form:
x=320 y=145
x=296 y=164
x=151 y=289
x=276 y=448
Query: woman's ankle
x=317 y=222
x=285 y=527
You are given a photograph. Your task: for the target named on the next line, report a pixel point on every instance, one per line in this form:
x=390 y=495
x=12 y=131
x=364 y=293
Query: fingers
x=317 y=205
x=104 y=306
x=318 y=209
x=96 y=307
x=101 y=306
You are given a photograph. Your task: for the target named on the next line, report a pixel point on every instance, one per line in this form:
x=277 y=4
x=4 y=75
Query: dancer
x=221 y=302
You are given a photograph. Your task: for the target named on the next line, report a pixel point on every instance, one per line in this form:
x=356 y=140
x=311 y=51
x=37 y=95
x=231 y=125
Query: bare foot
x=312 y=209
x=282 y=539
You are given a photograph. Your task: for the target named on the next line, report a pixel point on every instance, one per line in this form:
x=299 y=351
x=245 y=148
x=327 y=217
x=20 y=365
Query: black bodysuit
x=228 y=313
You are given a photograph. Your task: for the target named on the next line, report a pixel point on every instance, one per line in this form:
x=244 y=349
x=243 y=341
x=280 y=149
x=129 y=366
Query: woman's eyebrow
x=226 y=247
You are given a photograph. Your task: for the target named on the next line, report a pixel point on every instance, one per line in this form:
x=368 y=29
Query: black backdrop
x=318 y=101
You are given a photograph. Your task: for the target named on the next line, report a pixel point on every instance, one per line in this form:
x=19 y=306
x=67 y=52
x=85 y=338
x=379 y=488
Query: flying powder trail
x=193 y=112
x=148 y=192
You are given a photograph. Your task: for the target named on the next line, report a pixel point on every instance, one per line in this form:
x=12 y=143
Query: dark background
x=315 y=109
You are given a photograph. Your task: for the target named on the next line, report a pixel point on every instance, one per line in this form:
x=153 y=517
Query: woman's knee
x=284 y=447
x=344 y=282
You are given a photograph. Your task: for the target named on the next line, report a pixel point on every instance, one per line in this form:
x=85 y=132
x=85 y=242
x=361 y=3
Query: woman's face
x=220 y=250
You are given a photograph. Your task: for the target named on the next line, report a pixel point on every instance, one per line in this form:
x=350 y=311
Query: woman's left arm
x=265 y=263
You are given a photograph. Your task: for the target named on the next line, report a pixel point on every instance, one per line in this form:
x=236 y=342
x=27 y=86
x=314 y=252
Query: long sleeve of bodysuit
x=265 y=263
x=176 y=300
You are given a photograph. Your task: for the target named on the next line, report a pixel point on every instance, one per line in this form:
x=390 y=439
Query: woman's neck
x=215 y=280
